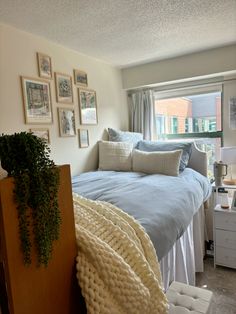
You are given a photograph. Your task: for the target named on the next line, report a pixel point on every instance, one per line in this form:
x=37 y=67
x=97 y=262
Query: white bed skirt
x=186 y=256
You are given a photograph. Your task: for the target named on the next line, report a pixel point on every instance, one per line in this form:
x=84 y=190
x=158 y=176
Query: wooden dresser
x=38 y=290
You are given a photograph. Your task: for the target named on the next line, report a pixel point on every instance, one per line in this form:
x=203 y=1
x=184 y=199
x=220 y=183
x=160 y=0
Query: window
x=212 y=124
x=188 y=125
x=160 y=124
x=196 y=116
x=174 y=125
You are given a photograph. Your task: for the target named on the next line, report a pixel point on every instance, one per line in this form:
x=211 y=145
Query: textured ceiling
x=126 y=32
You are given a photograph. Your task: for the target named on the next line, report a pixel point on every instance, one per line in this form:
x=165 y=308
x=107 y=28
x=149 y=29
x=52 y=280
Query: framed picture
x=41 y=133
x=64 y=90
x=37 y=100
x=80 y=78
x=66 y=118
x=233 y=206
x=87 y=106
x=83 y=138
x=232 y=113
x=44 y=65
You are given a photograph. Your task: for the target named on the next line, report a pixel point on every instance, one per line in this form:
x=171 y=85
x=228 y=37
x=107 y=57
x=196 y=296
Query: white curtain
x=143 y=114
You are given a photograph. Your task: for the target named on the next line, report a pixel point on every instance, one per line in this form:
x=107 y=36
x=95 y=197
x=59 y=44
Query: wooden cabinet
x=32 y=289
x=225 y=237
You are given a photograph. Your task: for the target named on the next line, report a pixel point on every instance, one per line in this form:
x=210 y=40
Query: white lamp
x=228 y=156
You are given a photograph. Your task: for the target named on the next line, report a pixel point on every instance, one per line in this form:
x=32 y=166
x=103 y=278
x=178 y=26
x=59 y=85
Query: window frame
x=190 y=91
x=210 y=134
x=218 y=136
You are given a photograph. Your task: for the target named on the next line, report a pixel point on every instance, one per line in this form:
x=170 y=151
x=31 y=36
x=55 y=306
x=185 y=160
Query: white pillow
x=115 y=156
x=157 y=162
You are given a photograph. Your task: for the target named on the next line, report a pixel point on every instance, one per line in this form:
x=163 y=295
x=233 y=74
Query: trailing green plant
x=26 y=158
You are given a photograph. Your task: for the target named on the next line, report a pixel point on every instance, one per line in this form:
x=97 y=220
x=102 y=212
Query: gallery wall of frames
x=37 y=101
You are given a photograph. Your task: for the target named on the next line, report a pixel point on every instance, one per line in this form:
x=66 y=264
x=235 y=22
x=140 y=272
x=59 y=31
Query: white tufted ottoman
x=185 y=299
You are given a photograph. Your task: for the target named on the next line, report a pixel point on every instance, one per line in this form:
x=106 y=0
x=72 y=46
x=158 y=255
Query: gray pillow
x=155 y=146
x=121 y=136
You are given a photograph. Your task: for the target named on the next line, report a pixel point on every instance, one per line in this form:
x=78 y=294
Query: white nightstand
x=224 y=237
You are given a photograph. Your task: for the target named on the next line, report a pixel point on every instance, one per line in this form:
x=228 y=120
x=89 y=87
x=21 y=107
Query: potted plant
x=26 y=158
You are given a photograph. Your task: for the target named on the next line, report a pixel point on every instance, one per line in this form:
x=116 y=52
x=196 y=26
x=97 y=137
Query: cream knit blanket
x=117 y=267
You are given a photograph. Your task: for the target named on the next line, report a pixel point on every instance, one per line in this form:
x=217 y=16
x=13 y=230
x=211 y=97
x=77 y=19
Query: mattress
x=164 y=205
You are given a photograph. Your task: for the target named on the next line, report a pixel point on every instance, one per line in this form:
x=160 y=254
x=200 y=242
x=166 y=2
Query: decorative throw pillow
x=115 y=156
x=154 y=146
x=122 y=136
x=157 y=162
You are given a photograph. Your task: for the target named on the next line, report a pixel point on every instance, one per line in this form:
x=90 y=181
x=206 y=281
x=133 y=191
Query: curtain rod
x=155 y=89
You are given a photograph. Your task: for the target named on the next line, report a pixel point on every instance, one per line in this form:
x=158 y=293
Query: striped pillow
x=115 y=156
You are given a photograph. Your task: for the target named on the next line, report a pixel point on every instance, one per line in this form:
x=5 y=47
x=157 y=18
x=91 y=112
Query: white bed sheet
x=186 y=256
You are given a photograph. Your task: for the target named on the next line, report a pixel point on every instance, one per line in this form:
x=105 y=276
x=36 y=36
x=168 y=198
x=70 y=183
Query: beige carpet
x=222 y=282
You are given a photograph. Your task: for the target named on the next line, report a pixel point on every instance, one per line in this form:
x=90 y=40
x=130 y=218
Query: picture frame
x=83 y=138
x=44 y=65
x=64 y=88
x=66 y=117
x=80 y=78
x=233 y=205
x=87 y=106
x=232 y=113
x=36 y=100
x=41 y=133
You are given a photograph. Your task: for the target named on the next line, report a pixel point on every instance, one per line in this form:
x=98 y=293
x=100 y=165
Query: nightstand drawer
x=225 y=220
x=226 y=239
x=225 y=257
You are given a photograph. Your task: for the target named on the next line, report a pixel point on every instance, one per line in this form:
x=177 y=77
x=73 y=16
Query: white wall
x=229 y=136
x=18 y=57
x=205 y=63
x=229 y=90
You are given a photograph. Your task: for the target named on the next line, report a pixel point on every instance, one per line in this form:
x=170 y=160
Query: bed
x=170 y=209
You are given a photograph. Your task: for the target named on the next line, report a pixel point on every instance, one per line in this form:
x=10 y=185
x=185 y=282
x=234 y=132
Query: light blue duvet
x=163 y=205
